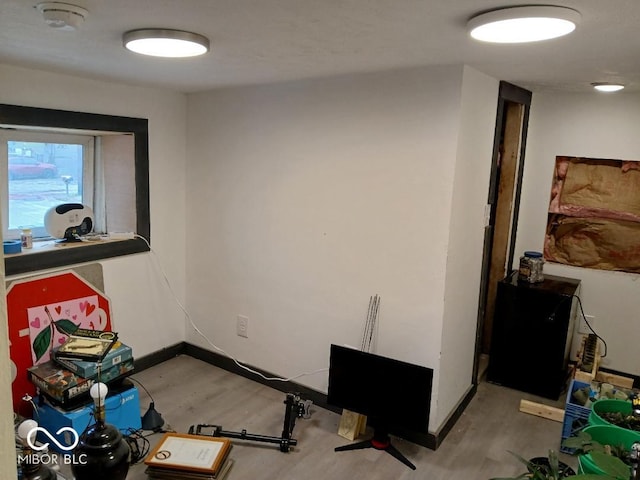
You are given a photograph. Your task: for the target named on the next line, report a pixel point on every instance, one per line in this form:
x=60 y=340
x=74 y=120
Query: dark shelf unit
x=532 y=334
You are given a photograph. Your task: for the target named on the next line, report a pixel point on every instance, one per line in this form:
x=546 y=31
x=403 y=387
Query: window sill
x=48 y=254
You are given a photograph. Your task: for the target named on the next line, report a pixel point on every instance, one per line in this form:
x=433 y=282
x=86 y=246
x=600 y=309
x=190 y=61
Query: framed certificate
x=192 y=453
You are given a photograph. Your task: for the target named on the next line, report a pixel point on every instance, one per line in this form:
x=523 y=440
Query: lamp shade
x=523 y=24
x=159 y=42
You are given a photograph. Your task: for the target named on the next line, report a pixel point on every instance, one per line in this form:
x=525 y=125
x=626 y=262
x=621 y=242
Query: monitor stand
x=380 y=441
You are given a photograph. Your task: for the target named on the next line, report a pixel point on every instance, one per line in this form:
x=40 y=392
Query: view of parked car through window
x=41 y=175
x=30 y=167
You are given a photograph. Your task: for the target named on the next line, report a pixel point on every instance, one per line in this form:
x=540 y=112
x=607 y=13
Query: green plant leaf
x=611 y=465
x=580 y=441
x=553 y=463
x=522 y=460
x=65 y=326
x=41 y=343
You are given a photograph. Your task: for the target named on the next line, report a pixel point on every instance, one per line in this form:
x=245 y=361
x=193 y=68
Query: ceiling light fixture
x=523 y=24
x=160 y=42
x=62 y=16
x=607 y=87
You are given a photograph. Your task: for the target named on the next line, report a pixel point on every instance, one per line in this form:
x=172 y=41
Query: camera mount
x=295 y=408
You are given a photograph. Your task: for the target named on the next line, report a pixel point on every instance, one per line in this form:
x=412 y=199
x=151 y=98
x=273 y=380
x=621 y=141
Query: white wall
x=303 y=200
x=466 y=236
x=589 y=125
x=311 y=197
x=144 y=313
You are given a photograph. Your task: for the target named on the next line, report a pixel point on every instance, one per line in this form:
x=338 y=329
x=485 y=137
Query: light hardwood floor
x=188 y=392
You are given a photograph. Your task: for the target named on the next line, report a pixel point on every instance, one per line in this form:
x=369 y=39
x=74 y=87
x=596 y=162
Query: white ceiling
x=265 y=41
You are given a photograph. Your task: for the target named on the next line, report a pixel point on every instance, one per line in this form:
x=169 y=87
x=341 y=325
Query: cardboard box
x=122 y=411
x=119 y=353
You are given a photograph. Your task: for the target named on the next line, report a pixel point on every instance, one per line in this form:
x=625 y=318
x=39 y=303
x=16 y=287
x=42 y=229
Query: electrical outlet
x=583 y=327
x=242 y=326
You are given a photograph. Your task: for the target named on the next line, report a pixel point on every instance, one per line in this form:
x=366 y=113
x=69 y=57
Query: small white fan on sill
x=69 y=221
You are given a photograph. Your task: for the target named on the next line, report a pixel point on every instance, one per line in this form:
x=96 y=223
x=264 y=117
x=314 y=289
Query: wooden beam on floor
x=542 y=410
x=617 y=380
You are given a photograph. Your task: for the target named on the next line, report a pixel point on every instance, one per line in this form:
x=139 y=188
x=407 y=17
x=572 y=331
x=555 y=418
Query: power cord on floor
x=143 y=387
x=138 y=445
x=195 y=327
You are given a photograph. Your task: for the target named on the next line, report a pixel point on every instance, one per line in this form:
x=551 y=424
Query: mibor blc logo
x=40 y=454
x=44 y=446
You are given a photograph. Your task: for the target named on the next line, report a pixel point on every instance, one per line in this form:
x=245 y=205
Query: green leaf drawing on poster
x=65 y=326
x=41 y=343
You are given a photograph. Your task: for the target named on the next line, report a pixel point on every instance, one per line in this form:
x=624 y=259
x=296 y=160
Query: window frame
x=18 y=116
x=39 y=136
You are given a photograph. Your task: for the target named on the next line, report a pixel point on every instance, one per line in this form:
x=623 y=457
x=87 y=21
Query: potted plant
x=550 y=468
x=615 y=412
x=600 y=441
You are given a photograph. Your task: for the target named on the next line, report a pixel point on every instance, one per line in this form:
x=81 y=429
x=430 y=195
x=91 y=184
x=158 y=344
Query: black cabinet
x=532 y=334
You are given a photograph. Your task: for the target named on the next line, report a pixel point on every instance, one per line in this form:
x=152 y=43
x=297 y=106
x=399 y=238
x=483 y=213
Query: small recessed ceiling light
x=159 y=42
x=607 y=87
x=523 y=24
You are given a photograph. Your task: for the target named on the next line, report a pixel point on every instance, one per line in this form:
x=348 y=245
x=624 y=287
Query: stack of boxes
x=64 y=386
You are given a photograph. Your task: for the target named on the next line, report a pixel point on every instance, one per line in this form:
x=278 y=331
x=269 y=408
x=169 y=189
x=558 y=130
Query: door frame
x=508 y=93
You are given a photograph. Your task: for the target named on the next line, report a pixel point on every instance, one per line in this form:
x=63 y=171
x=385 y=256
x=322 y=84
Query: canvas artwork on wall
x=51 y=324
x=594 y=214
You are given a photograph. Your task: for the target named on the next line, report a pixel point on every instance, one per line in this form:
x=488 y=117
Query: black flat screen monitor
x=395 y=395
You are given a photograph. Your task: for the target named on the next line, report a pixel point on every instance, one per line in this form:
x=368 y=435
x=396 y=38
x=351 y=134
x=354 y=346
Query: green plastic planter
x=606 y=435
x=608 y=405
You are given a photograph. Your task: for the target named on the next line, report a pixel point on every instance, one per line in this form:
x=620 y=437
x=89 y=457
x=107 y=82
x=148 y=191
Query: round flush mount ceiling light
x=607 y=87
x=62 y=16
x=523 y=24
x=159 y=42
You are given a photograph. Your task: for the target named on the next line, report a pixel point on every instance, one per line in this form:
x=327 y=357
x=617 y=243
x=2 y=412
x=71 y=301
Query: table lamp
x=102 y=453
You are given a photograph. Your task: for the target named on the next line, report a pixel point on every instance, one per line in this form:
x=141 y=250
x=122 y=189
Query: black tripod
x=380 y=441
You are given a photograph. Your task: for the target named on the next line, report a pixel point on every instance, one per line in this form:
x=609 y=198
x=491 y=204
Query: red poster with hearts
x=40 y=311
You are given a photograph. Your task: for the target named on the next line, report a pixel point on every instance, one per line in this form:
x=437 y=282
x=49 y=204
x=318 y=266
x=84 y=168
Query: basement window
x=49 y=157
x=39 y=171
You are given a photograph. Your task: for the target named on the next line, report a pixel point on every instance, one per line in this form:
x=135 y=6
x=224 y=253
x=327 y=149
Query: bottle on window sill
x=27 y=238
